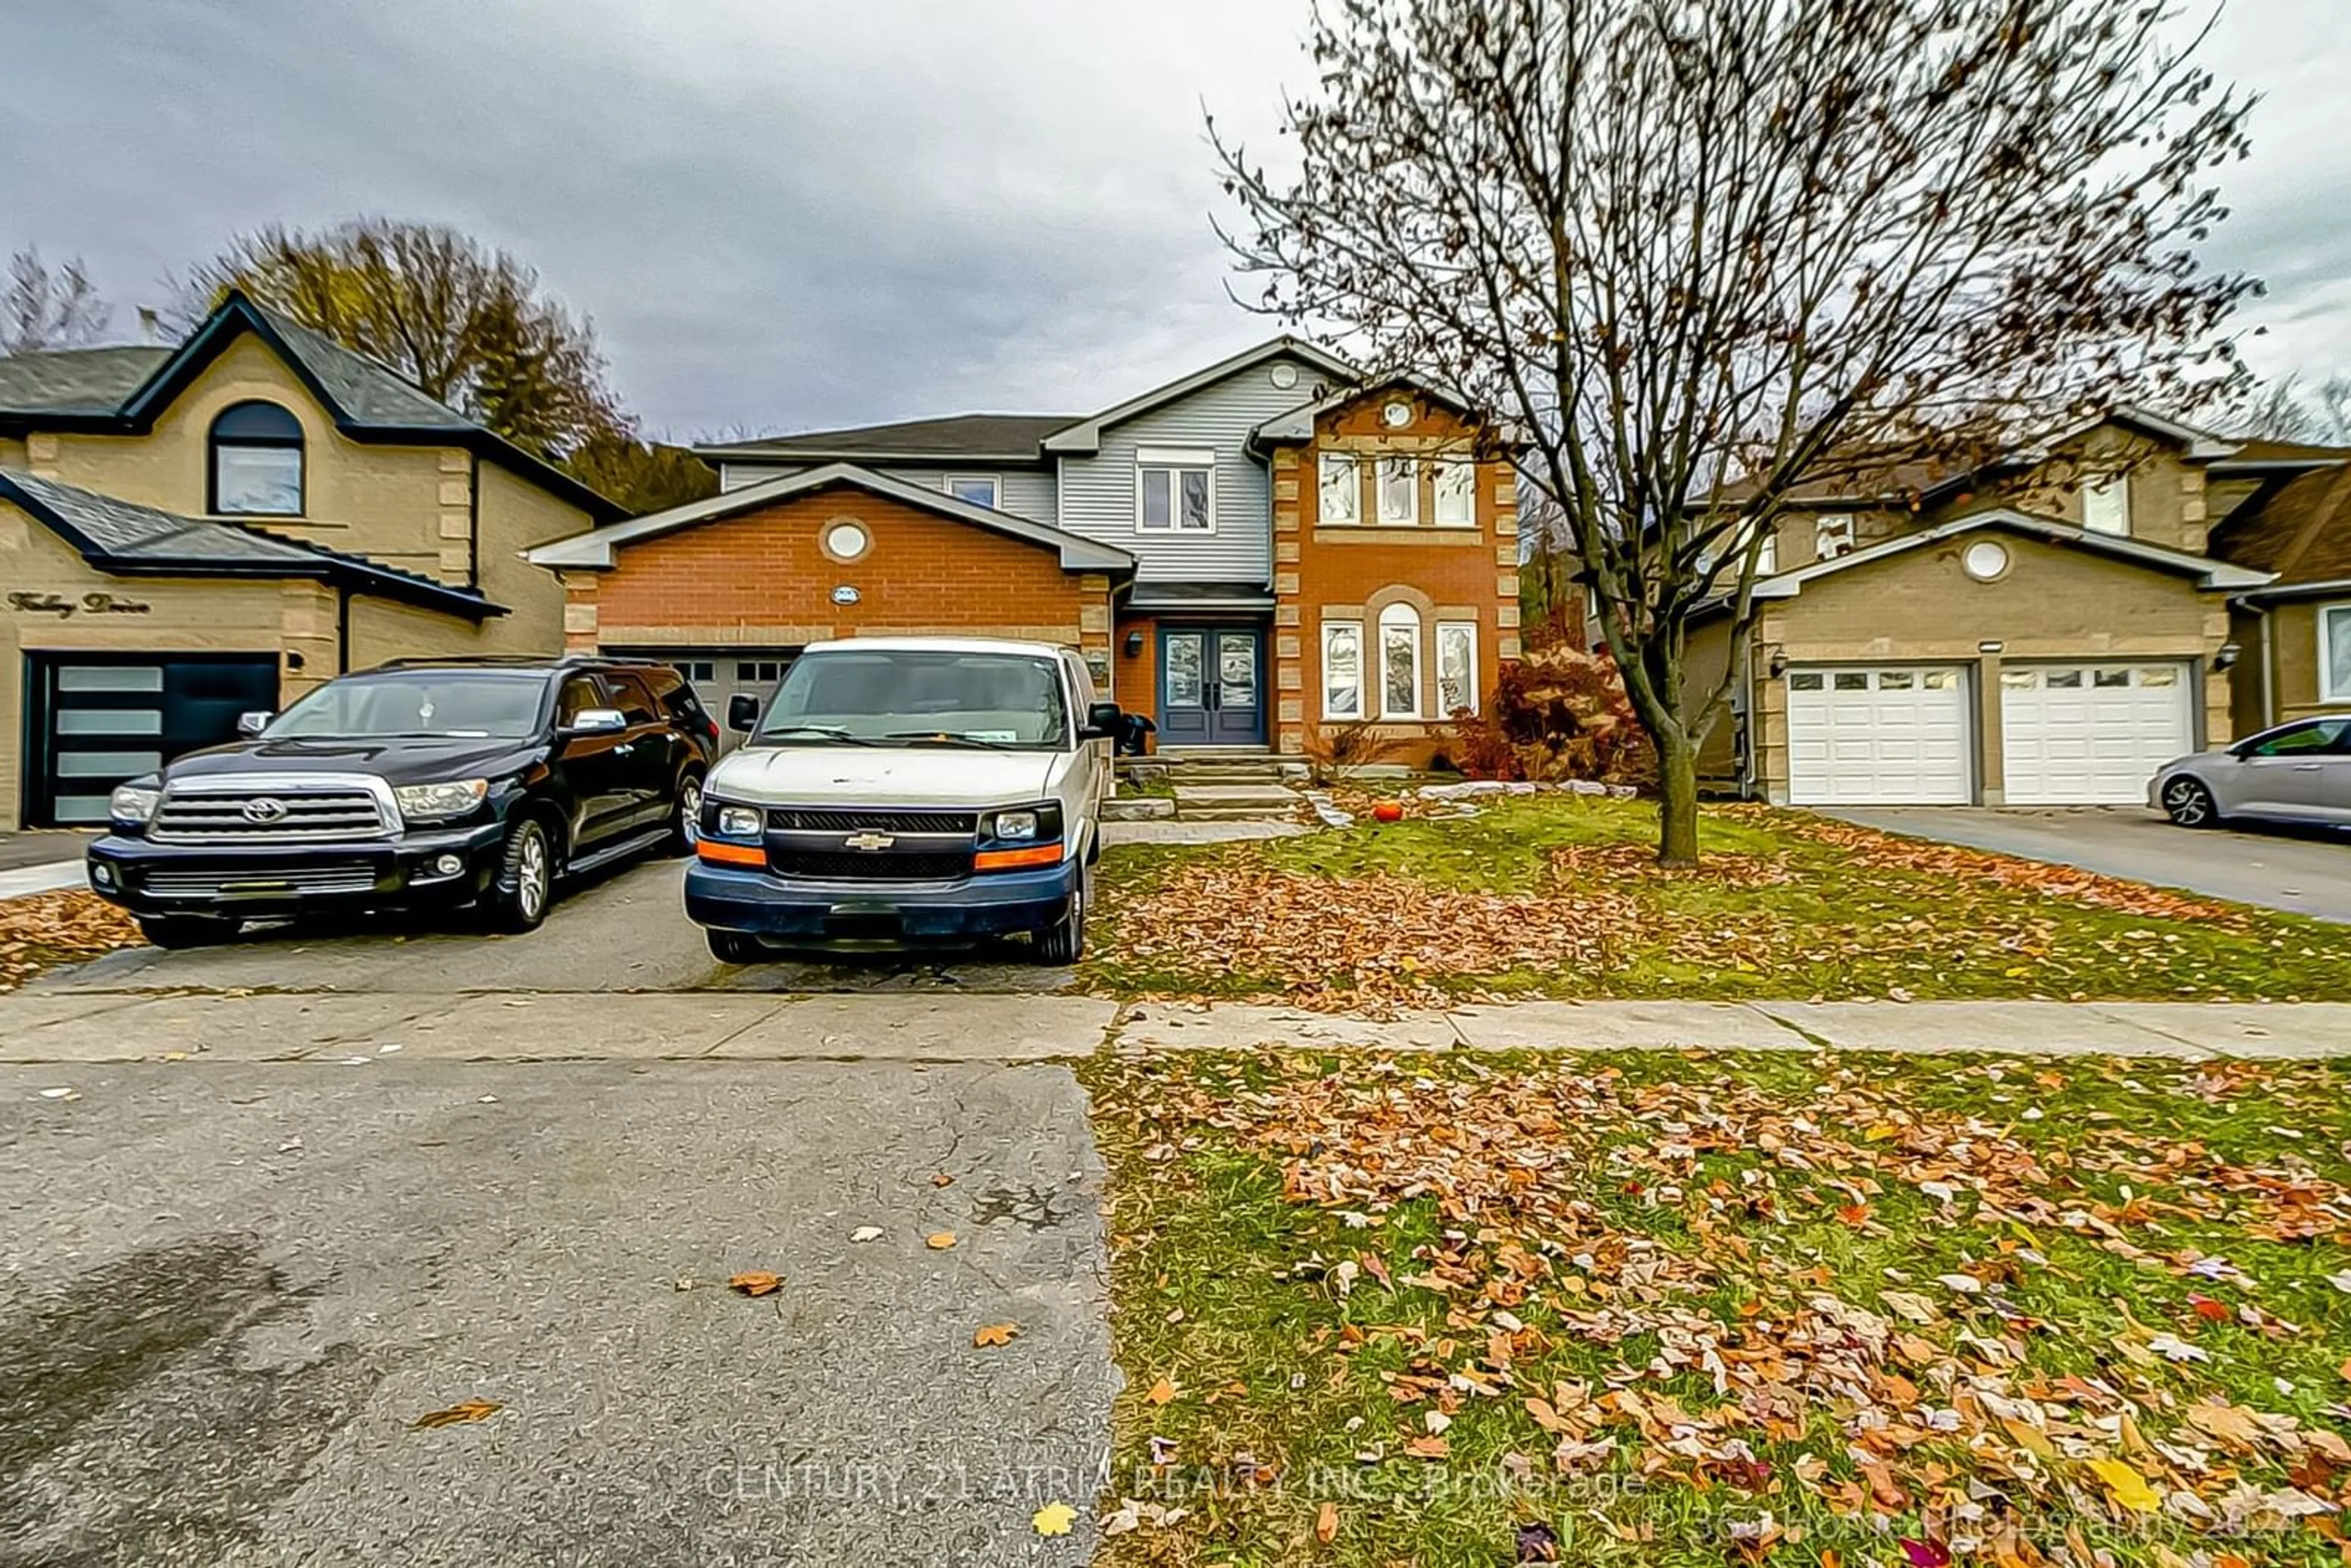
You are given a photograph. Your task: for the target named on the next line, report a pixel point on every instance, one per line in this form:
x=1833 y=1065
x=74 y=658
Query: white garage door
x=716 y=675
x=1883 y=738
x=2084 y=735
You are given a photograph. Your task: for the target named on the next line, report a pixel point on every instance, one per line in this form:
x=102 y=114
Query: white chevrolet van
x=905 y=790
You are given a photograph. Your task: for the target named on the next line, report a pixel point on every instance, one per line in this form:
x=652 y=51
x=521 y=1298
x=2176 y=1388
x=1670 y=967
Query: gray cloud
x=790 y=214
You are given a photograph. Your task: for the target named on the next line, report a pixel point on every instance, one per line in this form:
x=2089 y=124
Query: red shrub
x=1559 y=712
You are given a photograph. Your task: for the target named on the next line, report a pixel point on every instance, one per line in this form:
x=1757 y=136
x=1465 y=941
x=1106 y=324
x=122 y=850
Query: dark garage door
x=95 y=720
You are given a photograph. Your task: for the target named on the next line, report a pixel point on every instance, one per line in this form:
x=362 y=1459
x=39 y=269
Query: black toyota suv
x=418 y=785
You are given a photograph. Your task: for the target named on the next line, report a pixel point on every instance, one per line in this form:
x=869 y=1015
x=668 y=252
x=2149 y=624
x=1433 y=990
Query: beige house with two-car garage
x=2046 y=631
x=193 y=531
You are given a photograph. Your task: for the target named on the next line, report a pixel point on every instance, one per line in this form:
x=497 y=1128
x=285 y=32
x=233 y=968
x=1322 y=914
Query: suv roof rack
x=511 y=662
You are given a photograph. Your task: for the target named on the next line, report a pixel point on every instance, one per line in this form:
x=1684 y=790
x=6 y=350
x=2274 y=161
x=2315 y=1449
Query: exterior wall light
x=2225 y=657
x=1134 y=643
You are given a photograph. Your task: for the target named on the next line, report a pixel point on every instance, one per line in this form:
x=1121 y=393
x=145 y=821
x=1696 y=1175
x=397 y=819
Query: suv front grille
x=262 y=816
x=806 y=819
x=853 y=865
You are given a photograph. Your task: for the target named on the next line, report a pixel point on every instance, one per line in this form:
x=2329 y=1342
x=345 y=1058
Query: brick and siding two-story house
x=189 y=533
x=2046 y=631
x=1245 y=555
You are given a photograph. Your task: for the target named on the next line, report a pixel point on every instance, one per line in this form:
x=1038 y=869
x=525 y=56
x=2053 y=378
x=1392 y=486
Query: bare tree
x=1707 y=254
x=467 y=323
x=2277 y=411
x=49 y=307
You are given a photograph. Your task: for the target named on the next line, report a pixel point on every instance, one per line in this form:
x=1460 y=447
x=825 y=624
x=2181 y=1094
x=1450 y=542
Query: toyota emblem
x=266 y=809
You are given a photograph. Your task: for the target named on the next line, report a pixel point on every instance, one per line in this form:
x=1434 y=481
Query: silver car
x=2298 y=772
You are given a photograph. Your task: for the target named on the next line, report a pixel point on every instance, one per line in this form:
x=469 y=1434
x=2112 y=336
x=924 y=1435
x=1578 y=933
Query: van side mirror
x=249 y=725
x=1102 y=721
x=743 y=713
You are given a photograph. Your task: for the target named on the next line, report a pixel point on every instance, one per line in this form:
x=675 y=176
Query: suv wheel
x=517 y=900
x=735 y=947
x=185 y=930
x=685 y=817
x=2188 y=802
x=1065 y=943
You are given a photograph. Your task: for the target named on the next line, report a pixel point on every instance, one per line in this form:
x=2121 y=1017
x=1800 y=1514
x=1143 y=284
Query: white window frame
x=1173 y=461
x=1767 y=554
x=2107 y=496
x=1362 y=670
x=1326 y=466
x=2327 y=691
x=1380 y=493
x=1445 y=468
x=1831 y=528
x=1437 y=654
x=1398 y=617
x=995 y=483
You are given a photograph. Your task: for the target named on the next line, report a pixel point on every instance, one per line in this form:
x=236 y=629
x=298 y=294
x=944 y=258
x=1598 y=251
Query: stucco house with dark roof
x=188 y=532
x=1268 y=546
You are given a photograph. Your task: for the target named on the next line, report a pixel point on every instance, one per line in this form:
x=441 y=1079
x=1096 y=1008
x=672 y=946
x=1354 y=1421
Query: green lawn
x=1558 y=898
x=1682 y=1309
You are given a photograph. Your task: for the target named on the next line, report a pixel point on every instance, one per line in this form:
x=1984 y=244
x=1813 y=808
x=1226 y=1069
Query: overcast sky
x=787 y=215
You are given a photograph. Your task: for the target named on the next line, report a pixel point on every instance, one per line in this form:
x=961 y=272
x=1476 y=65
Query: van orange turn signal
x=1012 y=860
x=719 y=853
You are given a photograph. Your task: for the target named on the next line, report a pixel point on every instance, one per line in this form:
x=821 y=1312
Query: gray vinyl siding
x=1023 y=492
x=1098 y=493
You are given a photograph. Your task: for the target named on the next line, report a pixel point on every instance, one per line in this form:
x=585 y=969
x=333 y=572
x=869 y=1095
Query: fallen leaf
x=2128 y=1487
x=867 y=1233
x=1429 y=1448
x=989 y=1334
x=1161 y=1392
x=1054 y=1518
x=943 y=1179
x=1326 y=1523
x=939 y=1240
x=471 y=1410
x=1538 y=1542
x=755 y=1283
x=2341 y=1281
x=1926 y=1553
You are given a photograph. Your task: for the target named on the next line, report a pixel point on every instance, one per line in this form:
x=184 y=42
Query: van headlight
x=133 y=805
x=439 y=802
x=1022 y=825
x=739 y=821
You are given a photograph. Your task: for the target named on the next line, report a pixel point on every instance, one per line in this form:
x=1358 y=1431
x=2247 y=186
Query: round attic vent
x=1283 y=377
x=1985 y=559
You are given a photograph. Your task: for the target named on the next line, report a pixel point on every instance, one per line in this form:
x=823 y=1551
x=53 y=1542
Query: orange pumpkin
x=1388 y=811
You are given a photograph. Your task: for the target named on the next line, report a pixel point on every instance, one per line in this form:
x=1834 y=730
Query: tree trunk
x=1677 y=801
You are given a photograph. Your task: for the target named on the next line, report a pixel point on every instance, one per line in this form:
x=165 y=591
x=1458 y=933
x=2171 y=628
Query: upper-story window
x=979 y=489
x=1175 y=491
x=1399 y=490
x=1342 y=481
x=256 y=458
x=1456 y=493
x=1832 y=537
x=2105 y=506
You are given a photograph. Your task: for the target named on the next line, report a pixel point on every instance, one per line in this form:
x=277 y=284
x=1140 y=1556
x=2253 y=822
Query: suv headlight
x=1025 y=825
x=438 y=802
x=740 y=822
x=133 y=805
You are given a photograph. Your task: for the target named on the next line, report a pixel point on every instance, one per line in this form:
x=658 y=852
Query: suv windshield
x=467 y=704
x=910 y=696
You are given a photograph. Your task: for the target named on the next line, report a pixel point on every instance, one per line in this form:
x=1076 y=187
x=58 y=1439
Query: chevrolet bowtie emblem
x=868 y=842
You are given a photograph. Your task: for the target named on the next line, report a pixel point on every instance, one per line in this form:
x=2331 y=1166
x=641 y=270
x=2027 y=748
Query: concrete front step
x=1237 y=813
x=1232 y=802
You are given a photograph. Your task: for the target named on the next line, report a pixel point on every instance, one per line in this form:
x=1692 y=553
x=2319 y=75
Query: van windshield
x=919 y=696
x=476 y=704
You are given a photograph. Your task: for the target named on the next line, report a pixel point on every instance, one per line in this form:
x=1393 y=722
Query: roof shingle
x=74 y=381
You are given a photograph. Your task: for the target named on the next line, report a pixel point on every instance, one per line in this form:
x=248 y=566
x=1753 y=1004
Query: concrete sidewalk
x=48 y=876
x=360 y=1028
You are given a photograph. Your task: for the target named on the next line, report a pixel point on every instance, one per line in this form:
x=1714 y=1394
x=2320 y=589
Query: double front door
x=1211 y=685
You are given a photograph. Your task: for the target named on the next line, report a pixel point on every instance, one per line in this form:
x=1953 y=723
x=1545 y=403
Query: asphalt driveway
x=2305 y=872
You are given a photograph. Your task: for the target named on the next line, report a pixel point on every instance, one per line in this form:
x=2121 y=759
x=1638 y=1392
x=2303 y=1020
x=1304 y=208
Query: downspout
x=474 y=522
x=2269 y=664
x=342 y=630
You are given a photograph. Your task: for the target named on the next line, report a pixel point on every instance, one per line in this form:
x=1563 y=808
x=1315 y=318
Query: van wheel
x=685 y=817
x=1065 y=943
x=2189 y=803
x=185 y=930
x=516 y=901
x=735 y=947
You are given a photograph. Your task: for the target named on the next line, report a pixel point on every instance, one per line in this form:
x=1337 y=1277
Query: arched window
x=1399 y=663
x=256 y=456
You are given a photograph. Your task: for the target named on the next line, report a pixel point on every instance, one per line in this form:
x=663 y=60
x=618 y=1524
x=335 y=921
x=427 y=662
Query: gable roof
x=367 y=402
x=74 y=381
x=594 y=550
x=1084 y=436
x=2297 y=529
x=127 y=539
x=1298 y=423
x=2209 y=573
x=984 y=437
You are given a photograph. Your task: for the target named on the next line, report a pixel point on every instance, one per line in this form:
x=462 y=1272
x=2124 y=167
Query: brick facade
x=765 y=578
x=1352 y=571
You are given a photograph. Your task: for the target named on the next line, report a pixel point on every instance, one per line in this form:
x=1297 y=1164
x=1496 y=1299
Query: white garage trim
x=2091 y=734
x=1896 y=734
